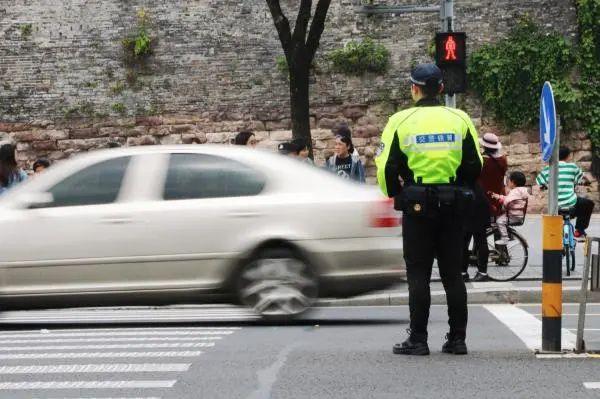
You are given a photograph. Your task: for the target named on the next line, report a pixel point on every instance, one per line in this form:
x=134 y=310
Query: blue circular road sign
x=547 y=122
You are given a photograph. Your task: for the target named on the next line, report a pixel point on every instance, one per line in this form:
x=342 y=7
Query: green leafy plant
x=26 y=30
x=588 y=62
x=359 y=57
x=282 y=65
x=509 y=74
x=118 y=108
x=138 y=45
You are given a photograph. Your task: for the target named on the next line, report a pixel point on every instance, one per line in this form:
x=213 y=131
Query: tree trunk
x=299 y=96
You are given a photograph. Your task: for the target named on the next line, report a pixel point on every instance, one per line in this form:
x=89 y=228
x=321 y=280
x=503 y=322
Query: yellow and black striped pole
x=552 y=283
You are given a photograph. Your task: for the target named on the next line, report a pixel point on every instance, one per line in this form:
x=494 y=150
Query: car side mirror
x=36 y=200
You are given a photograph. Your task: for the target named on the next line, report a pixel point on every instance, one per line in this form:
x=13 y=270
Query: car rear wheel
x=277 y=284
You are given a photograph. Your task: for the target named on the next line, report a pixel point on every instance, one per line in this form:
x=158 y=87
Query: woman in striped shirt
x=569 y=176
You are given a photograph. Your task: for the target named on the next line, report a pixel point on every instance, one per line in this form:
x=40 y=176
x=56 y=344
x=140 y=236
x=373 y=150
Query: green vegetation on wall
x=359 y=57
x=509 y=74
x=138 y=45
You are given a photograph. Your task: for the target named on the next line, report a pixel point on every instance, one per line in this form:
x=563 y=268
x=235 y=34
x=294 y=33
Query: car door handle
x=244 y=214
x=116 y=220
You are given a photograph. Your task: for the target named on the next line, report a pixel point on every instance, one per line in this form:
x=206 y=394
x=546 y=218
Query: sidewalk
x=532 y=231
x=478 y=293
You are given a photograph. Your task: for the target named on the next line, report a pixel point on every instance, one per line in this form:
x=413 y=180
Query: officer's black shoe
x=412 y=346
x=455 y=345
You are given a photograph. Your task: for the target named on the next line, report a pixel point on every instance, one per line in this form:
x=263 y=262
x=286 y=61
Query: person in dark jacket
x=476 y=229
x=344 y=163
x=10 y=173
x=493 y=172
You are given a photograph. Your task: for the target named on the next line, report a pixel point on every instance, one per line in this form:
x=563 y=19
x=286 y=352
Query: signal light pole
x=447 y=17
x=457 y=59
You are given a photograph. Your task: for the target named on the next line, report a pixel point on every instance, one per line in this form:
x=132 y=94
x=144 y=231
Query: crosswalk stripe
x=105 y=339
x=224 y=330
x=86 y=384
x=95 y=368
x=129 y=319
x=525 y=326
x=94 y=355
x=116 y=334
x=111 y=346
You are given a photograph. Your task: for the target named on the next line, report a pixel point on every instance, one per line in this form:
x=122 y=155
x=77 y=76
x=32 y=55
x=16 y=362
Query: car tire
x=277 y=284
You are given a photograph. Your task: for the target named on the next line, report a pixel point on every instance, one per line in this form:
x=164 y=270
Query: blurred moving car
x=175 y=224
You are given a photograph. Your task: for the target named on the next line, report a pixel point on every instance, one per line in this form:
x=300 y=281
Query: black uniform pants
x=583 y=213
x=441 y=236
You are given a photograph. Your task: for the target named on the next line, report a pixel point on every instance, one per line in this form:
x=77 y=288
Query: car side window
x=95 y=185
x=196 y=176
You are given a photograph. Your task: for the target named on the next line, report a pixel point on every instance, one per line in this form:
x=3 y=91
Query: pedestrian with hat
x=495 y=166
x=435 y=151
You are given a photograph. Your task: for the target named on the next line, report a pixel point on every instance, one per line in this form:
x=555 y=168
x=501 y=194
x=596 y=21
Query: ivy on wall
x=509 y=74
x=588 y=61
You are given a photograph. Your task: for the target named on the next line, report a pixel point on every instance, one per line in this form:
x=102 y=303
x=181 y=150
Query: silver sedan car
x=180 y=224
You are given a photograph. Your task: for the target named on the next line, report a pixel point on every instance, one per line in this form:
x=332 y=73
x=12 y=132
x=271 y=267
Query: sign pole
x=553 y=188
x=552 y=228
x=447 y=17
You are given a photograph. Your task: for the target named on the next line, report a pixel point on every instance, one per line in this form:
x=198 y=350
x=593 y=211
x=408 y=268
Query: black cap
x=424 y=73
x=287 y=148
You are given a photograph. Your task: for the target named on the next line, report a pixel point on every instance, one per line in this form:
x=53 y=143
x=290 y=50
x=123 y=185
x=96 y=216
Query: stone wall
x=213 y=56
x=66 y=88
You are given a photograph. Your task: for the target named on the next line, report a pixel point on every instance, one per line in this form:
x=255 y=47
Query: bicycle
x=569 y=241
x=506 y=262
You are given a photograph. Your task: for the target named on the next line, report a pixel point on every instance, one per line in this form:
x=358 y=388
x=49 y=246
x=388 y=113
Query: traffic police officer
x=435 y=151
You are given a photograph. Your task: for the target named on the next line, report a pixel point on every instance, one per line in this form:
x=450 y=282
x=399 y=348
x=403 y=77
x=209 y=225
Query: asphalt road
x=332 y=353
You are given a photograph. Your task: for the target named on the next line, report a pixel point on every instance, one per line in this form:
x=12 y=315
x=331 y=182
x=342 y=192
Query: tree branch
x=316 y=28
x=302 y=21
x=282 y=24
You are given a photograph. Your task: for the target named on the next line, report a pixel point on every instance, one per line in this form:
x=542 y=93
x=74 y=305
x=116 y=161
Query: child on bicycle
x=513 y=204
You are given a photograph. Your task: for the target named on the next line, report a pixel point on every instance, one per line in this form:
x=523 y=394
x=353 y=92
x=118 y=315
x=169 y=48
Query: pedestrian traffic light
x=451 y=57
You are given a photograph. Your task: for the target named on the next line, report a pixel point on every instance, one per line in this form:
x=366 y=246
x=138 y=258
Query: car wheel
x=277 y=284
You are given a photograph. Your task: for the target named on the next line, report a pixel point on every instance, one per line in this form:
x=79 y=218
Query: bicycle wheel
x=506 y=263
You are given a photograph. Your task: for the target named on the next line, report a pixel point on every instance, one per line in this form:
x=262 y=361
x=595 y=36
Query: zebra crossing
x=129 y=362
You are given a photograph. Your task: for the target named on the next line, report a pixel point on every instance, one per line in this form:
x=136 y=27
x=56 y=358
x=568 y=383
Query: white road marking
x=104 y=339
x=86 y=384
x=116 y=346
x=592 y=385
x=93 y=333
x=526 y=326
x=96 y=368
x=93 y=355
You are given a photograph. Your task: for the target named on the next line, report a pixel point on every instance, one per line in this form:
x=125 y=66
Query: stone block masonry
x=65 y=88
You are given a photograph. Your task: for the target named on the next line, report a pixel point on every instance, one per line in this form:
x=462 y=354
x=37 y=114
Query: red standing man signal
x=450 y=49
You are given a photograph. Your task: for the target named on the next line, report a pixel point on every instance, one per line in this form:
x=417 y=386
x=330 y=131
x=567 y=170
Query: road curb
x=475 y=296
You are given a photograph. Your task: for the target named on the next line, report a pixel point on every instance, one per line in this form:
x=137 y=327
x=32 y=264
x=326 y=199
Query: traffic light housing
x=451 y=57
